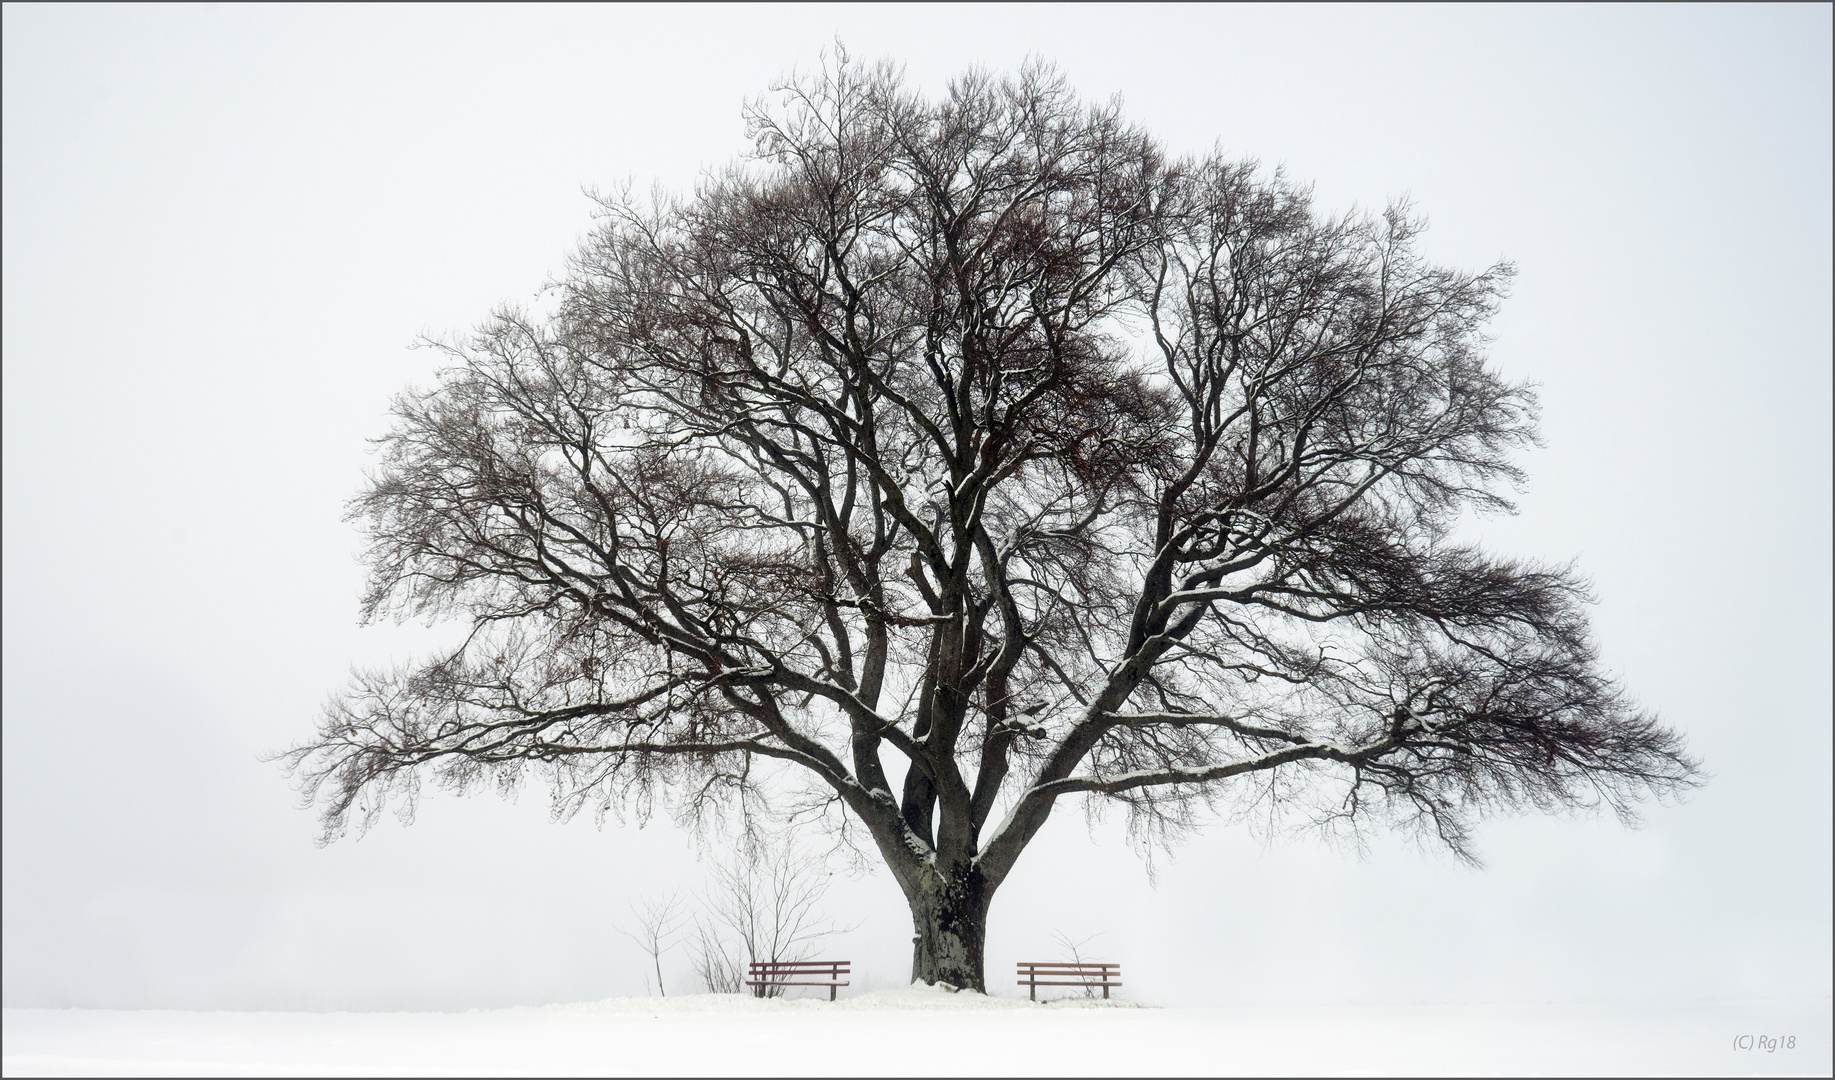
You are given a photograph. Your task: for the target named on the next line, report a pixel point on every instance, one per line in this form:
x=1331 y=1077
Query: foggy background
x=223 y=228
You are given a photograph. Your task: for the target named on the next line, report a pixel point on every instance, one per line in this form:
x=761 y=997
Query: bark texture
x=950 y=915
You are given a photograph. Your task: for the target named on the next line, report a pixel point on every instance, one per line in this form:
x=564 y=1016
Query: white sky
x=224 y=226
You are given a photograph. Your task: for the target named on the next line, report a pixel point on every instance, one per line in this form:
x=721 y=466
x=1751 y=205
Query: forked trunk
x=950 y=915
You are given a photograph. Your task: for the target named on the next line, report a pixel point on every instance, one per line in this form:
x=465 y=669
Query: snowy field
x=925 y=1032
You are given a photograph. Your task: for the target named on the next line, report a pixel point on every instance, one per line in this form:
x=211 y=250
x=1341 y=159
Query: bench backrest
x=1076 y=973
x=799 y=967
x=765 y=974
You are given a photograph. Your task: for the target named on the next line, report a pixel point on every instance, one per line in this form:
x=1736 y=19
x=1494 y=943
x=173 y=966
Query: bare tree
x=978 y=434
x=716 y=962
x=1071 y=949
x=657 y=921
x=770 y=904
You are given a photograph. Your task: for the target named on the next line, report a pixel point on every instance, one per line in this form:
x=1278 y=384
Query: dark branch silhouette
x=959 y=456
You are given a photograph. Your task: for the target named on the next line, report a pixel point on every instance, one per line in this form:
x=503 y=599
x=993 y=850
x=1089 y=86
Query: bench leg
x=1105 y=991
x=831 y=993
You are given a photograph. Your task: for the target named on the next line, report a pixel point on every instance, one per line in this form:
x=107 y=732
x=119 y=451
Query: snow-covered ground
x=930 y=1032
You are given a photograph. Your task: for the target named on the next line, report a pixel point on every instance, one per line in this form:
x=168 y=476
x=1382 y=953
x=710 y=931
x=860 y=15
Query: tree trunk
x=950 y=915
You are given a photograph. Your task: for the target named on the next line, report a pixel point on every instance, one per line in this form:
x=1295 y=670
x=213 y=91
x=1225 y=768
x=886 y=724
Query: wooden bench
x=797 y=973
x=1085 y=975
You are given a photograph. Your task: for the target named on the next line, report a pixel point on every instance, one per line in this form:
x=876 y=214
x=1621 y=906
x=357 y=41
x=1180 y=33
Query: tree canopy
x=946 y=458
